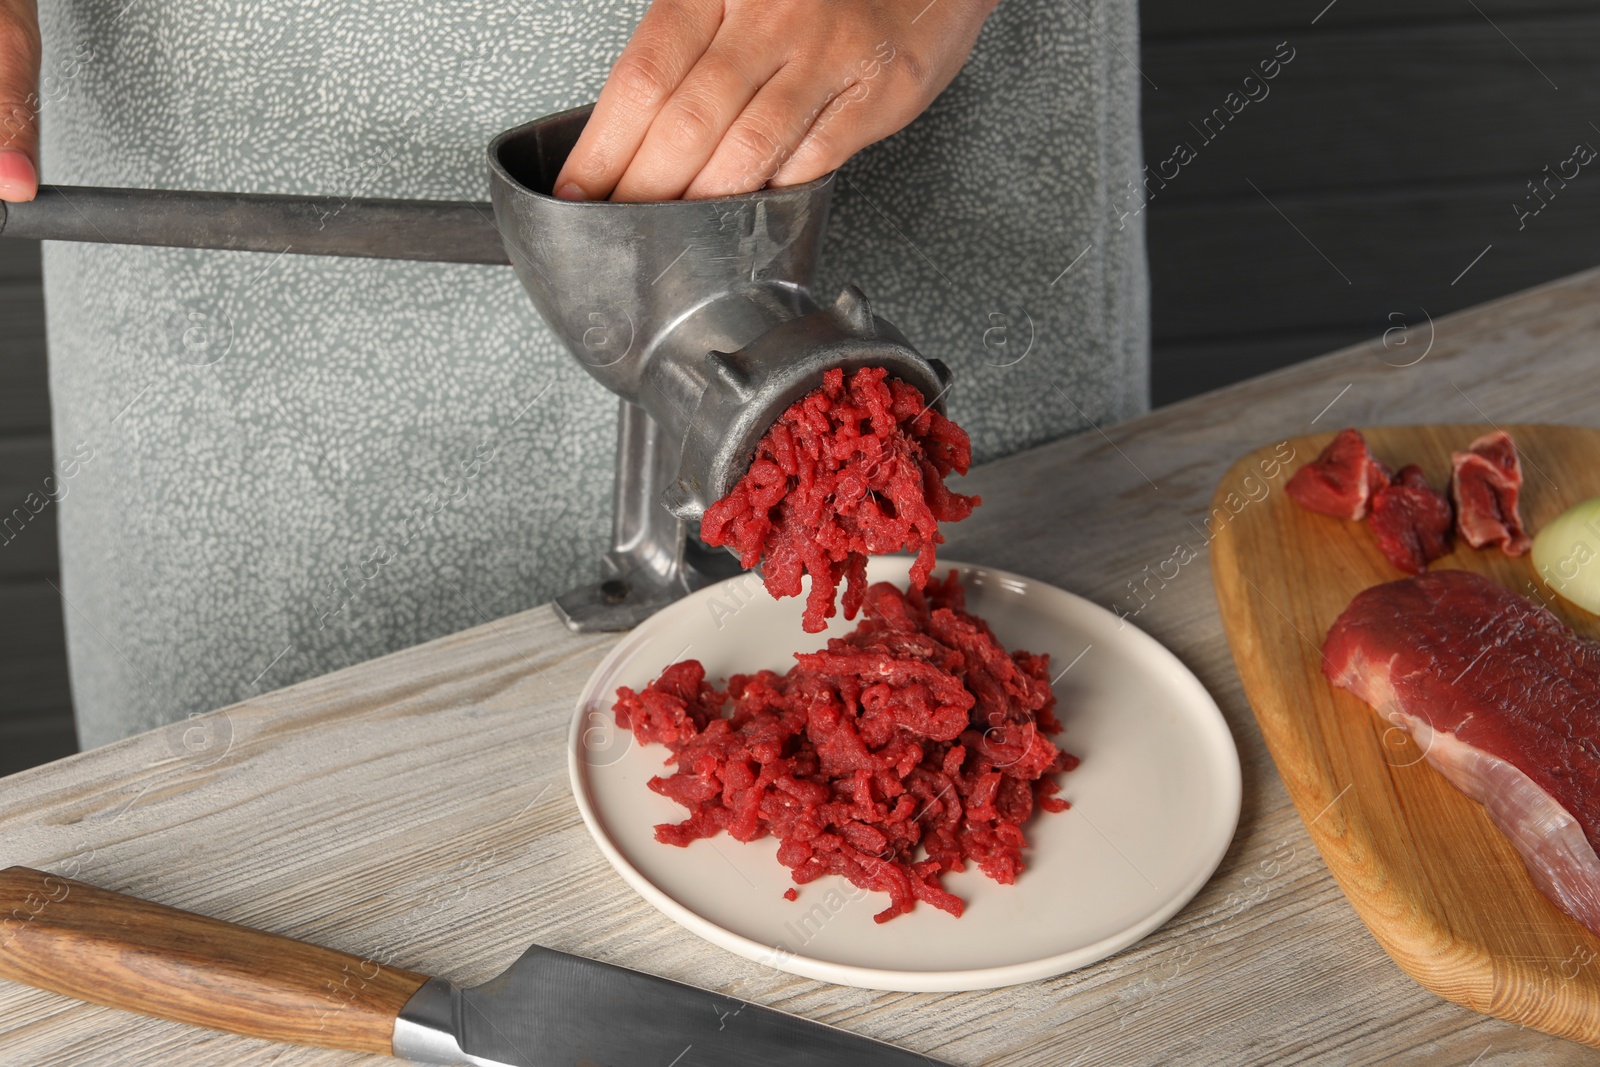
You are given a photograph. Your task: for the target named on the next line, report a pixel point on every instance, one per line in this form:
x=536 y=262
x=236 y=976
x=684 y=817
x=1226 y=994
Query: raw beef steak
x=1503 y=700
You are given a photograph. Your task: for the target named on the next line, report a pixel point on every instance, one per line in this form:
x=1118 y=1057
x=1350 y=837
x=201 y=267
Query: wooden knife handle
x=96 y=945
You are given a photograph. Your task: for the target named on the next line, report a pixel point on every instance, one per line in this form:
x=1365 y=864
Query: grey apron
x=298 y=463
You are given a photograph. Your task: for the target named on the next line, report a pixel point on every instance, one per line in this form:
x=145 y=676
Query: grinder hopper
x=697 y=314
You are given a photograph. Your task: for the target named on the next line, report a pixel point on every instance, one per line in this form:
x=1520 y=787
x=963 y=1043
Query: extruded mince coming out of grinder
x=856 y=468
x=918 y=735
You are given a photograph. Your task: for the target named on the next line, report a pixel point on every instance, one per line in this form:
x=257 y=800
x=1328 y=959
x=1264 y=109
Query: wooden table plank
x=415 y=808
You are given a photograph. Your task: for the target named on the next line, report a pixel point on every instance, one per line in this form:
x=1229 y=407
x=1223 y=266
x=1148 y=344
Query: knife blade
x=551 y=1008
x=548 y=1009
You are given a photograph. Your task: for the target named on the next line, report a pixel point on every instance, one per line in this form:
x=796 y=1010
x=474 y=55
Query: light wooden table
x=415 y=809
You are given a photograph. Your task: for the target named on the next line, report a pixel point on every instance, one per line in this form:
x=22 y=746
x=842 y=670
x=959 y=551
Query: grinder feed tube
x=700 y=314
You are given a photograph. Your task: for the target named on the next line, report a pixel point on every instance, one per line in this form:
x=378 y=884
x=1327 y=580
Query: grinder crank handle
x=108 y=948
x=447 y=231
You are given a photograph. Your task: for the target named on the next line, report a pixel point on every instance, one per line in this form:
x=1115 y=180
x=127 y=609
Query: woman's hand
x=19 y=100
x=715 y=97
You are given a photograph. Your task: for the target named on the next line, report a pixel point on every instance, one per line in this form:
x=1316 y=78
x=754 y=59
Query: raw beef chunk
x=1341 y=480
x=1485 y=481
x=1412 y=521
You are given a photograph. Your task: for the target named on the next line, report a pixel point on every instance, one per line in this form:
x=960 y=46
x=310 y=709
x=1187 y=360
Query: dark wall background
x=35 y=708
x=1368 y=185
x=1382 y=161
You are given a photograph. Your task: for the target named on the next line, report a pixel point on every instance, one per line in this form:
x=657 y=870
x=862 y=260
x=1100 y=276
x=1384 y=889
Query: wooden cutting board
x=1439 y=887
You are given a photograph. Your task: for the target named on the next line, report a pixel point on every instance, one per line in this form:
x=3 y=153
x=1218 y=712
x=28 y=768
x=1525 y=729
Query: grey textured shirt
x=298 y=463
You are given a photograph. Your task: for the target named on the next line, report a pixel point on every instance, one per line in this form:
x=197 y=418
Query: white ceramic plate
x=1154 y=801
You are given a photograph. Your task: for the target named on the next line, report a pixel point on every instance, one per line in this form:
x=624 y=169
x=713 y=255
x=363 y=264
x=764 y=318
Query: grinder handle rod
x=444 y=231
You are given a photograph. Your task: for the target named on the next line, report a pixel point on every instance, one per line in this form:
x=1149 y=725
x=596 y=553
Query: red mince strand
x=890 y=757
x=854 y=469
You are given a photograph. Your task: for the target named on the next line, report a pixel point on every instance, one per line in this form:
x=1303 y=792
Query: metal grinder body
x=698 y=314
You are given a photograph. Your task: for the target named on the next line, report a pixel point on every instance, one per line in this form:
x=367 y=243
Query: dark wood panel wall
x=1411 y=158
x=35 y=708
x=1318 y=173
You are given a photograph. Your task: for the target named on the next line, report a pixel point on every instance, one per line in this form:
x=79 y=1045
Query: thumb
x=19 y=100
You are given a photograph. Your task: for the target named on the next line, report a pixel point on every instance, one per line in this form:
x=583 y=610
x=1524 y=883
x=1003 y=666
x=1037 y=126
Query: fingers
x=668 y=43
x=765 y=134
x=720 y=97
x=892 y=86
x=692 y=123
x=19 y=101
x=886 y=95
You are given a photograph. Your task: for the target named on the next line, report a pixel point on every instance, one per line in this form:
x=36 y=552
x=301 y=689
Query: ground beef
x=854 y=469
x=895 y=754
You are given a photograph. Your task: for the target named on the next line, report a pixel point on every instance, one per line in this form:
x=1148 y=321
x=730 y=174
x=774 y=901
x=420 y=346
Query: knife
x=549 y=1009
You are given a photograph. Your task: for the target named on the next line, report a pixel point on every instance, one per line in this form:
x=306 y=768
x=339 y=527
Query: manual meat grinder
x=697 y=313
